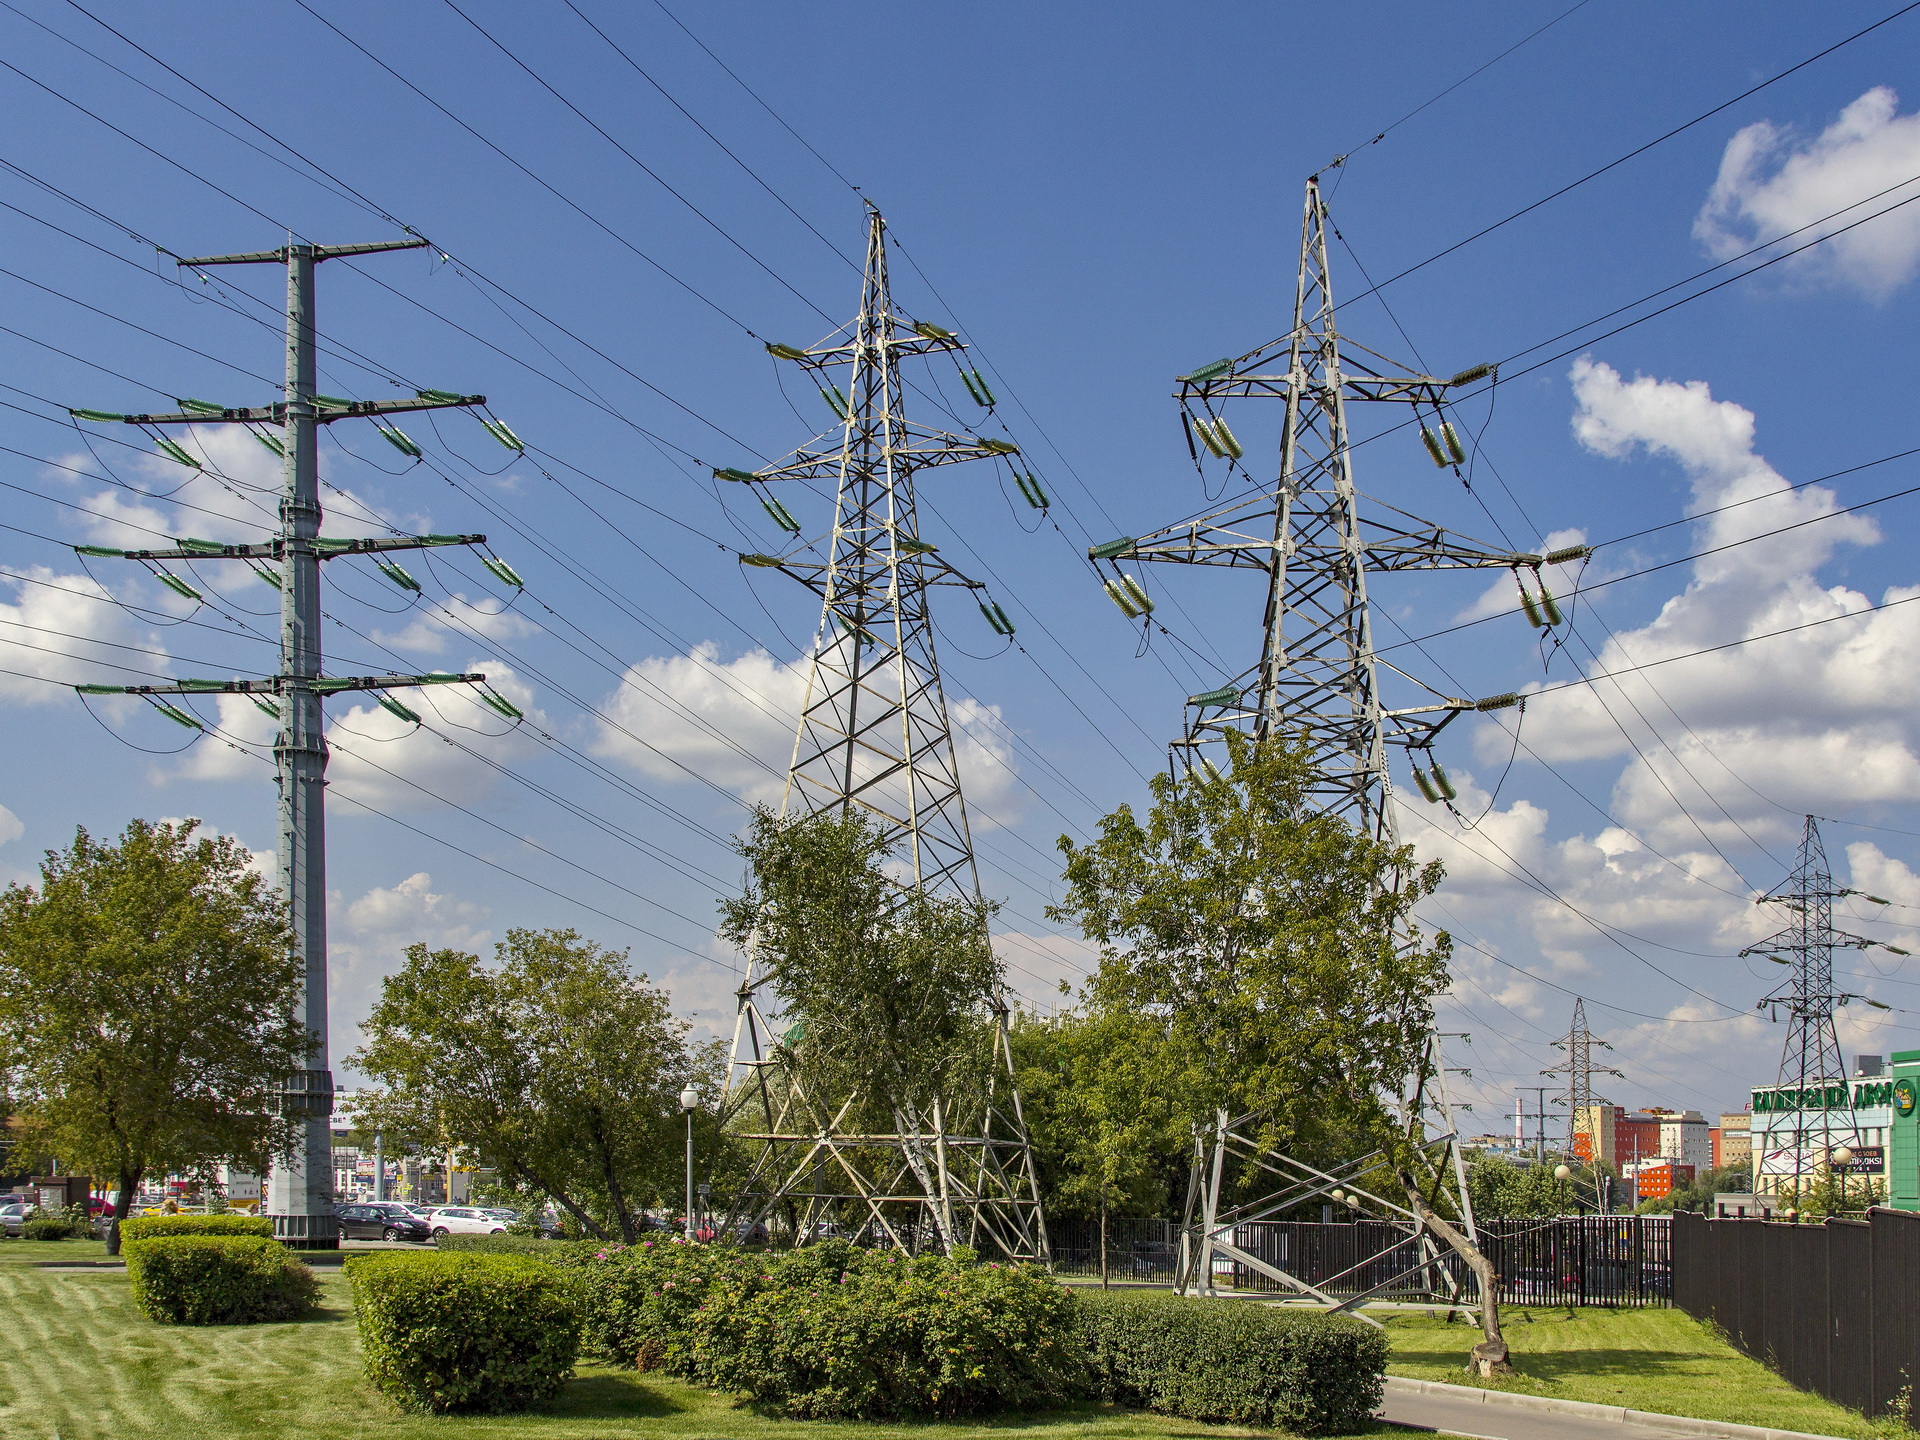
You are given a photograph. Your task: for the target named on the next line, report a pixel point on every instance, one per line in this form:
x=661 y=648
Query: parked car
x=13 y=1217
x=464 y=1220
x=505 y=1217
x=383 y=1221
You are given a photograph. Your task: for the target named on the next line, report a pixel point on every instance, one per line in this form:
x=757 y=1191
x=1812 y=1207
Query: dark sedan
x=384 y=1221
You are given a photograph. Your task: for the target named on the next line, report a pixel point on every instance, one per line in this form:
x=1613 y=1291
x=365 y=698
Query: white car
x=463 y=1220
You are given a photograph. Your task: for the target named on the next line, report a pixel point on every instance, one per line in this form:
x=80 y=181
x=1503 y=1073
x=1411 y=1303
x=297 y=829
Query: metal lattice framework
x=874 y=735
x=1315 y=539
x=1579 y=1069
x=1800 y=1152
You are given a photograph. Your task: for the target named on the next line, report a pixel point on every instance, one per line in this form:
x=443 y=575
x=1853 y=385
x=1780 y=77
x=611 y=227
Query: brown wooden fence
x=1835 y=1308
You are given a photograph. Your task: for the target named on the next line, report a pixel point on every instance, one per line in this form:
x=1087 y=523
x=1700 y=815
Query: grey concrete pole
x=300 y=1188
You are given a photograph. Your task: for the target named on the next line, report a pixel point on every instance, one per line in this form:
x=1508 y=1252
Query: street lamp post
x=689 y=1100
x=1837 y=1162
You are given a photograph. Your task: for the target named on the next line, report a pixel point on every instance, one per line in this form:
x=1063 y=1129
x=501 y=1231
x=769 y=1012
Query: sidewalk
x=1504 y=1415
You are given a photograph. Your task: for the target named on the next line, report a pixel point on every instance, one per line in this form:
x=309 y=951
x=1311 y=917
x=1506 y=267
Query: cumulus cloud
x=10 y=827
x=392 y=764
x=66 y=628
x=1772 y=182
x=1806 y=719
x=733 y=721
x=368 y=936
x=432 y=632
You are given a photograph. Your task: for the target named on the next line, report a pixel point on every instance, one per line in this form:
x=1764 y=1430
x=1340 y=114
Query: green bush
x=145 y=1227
x=218 y=1280
x=55 y=1227
x=507 y=1244
x=836 y=1332
x=467 y=1333
x=1231 y=1361
x=638 y=1302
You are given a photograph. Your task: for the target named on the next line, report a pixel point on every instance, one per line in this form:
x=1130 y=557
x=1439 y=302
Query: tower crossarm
x=912 y=342
x=325 y=411
x=927 y=567
x=912 y=447
x=280 y=684
x=1247 y=537
x=324 y=547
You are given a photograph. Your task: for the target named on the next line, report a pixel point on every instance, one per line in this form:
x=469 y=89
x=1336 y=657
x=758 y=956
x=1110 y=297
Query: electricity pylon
x=874 y=736
x=1579 y=1069
x=1309 y=533
x=300 y=1186
x=1810 y=1062
x=1315 y=540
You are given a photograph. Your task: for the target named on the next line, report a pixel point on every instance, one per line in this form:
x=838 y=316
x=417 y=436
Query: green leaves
x=147 y=993
x=183 y=1279
x=556 y=1065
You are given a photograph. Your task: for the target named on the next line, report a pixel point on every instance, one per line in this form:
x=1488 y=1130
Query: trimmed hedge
x=56 y=1227
x=835 y=1332
x=453 y=1333
x=145 y=1227
x=508 y=1244
x=1233 y=1361
x=218 y=1280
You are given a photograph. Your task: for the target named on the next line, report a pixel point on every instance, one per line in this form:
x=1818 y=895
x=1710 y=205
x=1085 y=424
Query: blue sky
x=1098 y=198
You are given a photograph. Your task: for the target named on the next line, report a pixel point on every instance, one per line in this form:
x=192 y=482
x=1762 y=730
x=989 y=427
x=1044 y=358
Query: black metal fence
x=1621 y=1260
x=1835 y=1308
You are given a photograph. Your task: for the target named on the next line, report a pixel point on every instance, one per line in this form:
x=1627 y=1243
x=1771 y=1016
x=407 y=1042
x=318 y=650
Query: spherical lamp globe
x=1561 y=1172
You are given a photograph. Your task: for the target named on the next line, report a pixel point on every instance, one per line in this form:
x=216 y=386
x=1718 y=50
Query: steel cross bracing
x=1799 y=1153
x=1579 y=1069
x=1316 y=538
x=300 y=1186
x=874 y=735
x=1212 y=1228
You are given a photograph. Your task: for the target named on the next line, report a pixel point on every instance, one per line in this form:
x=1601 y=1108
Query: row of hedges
x=833 y=1331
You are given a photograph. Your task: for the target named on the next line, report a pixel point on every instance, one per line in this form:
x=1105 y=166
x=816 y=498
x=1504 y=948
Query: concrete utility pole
x=300 y=1186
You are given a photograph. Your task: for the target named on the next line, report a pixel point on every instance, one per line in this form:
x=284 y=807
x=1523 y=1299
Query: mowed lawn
x=1660 y=1360
x=80 y=1363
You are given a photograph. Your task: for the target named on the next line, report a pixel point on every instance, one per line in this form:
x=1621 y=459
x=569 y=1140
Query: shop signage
x=1867 y=1160
x=1864 y=1095
x=1903 y=1096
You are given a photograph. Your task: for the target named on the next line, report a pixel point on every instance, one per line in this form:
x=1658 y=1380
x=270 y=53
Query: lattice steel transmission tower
x=874 y=736
x=1799 y=1152
x=1579 y=1069
x=1314 y=540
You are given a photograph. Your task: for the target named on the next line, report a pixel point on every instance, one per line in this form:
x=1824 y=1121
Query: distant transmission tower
x=1315 y=540
x=1799 y=1151
x=1579 y=1069
x=874 y=736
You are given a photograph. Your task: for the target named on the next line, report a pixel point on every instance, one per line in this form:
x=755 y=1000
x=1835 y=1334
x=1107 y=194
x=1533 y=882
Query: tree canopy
x=147 y=1005
x=556 y=1065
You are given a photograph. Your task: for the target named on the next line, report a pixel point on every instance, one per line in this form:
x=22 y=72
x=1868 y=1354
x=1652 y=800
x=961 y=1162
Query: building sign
x=1867 y=1160
x=1863 y=1095
x=1903 y=1096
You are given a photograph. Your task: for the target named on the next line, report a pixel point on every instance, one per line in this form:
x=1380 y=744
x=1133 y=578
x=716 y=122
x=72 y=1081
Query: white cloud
x=1502 y=597
x=430 y=631
x=367 y=939
x=733 y=723
x=1772 y=182
x=10 y=827
x=64 y=628
x=392 y=764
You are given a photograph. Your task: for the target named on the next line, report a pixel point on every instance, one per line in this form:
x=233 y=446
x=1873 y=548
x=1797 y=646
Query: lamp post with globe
x=689 y=1102
x=1837 y=1162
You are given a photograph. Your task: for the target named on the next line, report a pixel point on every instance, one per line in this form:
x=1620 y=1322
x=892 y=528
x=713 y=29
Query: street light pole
x=689 y=1099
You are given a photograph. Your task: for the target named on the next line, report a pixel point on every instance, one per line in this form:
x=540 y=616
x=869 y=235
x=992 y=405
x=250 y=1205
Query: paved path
x=1456 y=1416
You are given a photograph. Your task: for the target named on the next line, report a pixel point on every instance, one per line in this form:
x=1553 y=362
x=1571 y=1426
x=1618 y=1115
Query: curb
x=1396 y=1385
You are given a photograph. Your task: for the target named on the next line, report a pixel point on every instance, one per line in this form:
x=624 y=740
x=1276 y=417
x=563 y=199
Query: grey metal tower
x=300 y=1187
x=1798 y=1153
x=1579 y=1069
x=874 y=735
x=1314 y=540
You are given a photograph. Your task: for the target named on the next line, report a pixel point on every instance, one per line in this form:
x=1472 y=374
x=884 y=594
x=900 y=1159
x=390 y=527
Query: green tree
x=1502 y=1190
x=147 y=1006
x=556 y=1065
x=1275 y=944
x=888 y=990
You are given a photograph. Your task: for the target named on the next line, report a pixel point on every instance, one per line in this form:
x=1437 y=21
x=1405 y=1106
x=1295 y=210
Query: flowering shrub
x=638 y=1301
x=836 y=1332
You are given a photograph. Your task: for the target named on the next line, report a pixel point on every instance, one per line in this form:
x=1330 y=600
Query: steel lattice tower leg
x=874 y=735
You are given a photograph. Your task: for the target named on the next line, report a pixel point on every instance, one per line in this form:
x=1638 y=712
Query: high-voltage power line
x=1579 y=1069
x=300 y=1186
x=874 y=738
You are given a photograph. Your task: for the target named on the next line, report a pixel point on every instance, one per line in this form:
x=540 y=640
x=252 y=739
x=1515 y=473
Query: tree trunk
x=615 y=1195
x=1490 y=1355
x=1103 y=1242
x=122 y=1202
